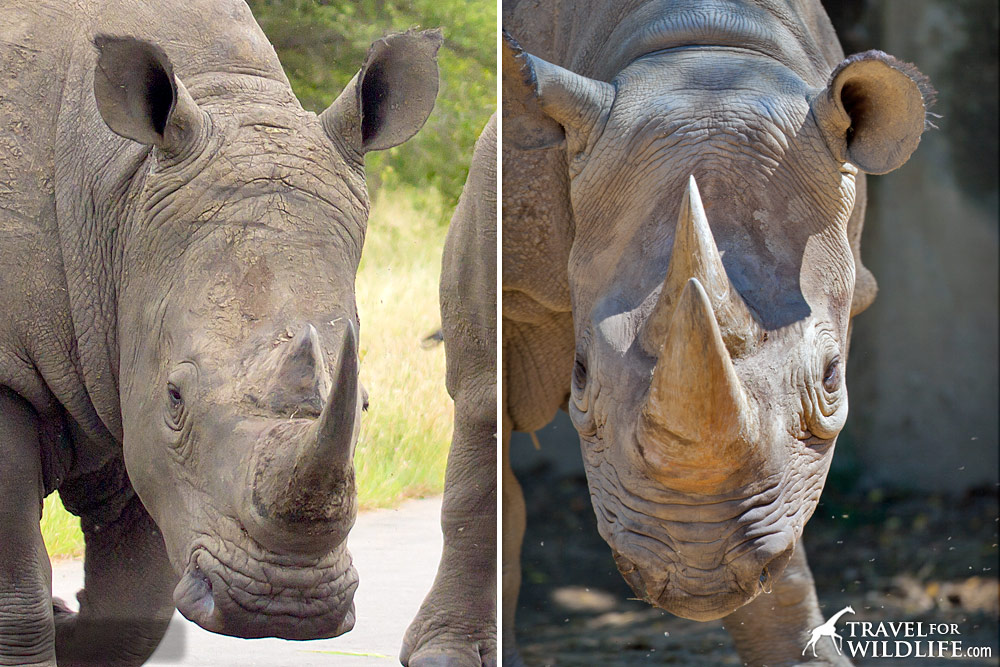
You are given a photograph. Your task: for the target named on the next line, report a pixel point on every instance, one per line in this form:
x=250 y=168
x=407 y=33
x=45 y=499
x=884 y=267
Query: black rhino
x=683 y=196
x=178 y=349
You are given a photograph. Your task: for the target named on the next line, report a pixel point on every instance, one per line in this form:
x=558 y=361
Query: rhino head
x=238 y=326
x=713 y=283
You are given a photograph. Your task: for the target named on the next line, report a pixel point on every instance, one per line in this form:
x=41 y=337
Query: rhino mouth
x=267 y=595
x=700 y=560
x=705 y=595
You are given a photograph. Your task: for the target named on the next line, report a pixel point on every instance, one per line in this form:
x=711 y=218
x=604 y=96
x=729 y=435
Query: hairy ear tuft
x=874 y=110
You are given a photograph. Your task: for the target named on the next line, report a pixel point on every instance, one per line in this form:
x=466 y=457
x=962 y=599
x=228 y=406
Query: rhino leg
x=773 y=629
x=127 y=600
x=513 y=535
x=456 y=624
x=26 y=630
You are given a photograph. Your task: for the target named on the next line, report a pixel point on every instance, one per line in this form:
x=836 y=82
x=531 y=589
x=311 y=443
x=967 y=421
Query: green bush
x=322 y=43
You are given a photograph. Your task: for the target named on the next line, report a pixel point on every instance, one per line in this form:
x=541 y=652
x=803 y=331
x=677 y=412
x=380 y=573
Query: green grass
x=403 y=446
x=61 y=530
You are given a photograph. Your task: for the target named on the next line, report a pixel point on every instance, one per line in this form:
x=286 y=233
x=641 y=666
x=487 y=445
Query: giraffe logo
x=828 y=629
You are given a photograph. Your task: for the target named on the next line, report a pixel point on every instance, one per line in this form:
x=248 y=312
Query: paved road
x=396 y=554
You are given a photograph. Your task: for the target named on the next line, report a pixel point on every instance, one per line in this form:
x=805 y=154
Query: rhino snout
x=686 y=589
x=300 y=496
x=268 y=596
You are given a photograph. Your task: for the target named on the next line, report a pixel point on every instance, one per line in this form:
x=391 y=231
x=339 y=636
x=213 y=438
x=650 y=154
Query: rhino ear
x=138 y=96
x=576 y=102
x=391 y=96
x=873 y=111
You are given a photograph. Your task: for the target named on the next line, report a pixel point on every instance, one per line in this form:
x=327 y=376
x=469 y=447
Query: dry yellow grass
x=404 y=439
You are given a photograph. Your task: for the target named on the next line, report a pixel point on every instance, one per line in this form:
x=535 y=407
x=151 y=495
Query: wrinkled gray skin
x=456 y=624
x=683 y=199
x=178 y=351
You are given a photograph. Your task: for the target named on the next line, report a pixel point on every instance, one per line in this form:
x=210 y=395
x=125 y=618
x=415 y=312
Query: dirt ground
x=892 y=557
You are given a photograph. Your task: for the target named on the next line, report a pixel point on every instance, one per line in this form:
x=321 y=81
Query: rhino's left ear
x=576 y=102
x=873 y=111
x=140 y=99
x=391 y=96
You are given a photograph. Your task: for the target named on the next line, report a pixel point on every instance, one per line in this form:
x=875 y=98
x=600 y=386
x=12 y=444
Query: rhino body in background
x=683 y=198
x=457 y=620
x=178 y=347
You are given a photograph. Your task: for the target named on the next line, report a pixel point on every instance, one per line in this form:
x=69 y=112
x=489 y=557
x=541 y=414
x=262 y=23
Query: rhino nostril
x=772 y=568
x=625 y=566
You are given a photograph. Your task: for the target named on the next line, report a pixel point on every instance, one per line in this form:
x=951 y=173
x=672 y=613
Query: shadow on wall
x=923 y=367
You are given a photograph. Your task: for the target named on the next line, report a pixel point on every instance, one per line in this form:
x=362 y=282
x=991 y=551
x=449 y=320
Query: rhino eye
x=831 y=377
x=175 y=407
x=581 y=414
x=579 y=374
x=580 y=395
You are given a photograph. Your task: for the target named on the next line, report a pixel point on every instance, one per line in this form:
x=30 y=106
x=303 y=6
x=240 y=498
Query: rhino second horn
x=695 y=396
x=298 y=379
x=695 y=255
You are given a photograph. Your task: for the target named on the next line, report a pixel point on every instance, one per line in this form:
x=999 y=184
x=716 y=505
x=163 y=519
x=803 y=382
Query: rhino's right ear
x=576 y=102
x=391 y=96
x=873 y=111
x=138 y=96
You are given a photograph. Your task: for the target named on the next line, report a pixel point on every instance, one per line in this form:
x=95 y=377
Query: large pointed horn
x=302 y=477
x=695 y=395
x=335 y=426
x=695 y=255
x=319 y=478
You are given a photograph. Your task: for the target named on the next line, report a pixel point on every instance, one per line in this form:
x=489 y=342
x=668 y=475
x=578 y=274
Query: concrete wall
x=923 y=368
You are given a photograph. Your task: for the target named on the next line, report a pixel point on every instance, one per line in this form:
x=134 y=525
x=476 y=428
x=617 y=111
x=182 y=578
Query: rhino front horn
x=335 y=428
x=695 y=398
x=695 y=255
x=302 y=476
x=320 y=475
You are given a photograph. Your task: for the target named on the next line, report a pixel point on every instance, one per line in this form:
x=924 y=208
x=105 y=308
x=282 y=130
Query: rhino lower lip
x=348 y=623
x=208 y=595
x=672 y=596
x=193 y=598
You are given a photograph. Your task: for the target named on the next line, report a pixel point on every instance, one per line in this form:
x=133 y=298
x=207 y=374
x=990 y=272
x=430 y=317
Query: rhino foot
x=84 y=641
x=432 y=641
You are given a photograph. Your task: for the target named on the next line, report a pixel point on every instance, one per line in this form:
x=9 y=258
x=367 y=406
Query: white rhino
x=178 y=351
